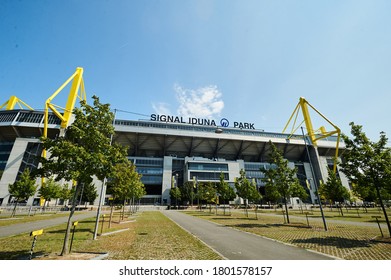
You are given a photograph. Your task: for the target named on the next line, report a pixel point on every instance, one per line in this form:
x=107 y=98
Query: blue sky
x=248 y=61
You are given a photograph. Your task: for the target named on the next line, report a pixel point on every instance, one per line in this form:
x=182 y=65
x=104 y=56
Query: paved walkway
x=28 y=227
x=238 y=245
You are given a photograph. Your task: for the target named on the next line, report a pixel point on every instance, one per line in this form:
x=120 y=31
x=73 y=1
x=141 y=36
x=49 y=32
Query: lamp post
x=176 y=193
x=198 y=194
x=102 y=191
x=214 y=179
x=313 y=176
x=218 y=130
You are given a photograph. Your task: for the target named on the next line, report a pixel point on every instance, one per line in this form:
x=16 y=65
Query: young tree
x=65 y=193
x=271 y=193
x=226 y=192
x=333 y=190
x=83 y=152
x=51 y=190
x=137 y=192
x=281 y=180
x=207 y=192
x=246 y=190
x=117 y=185
x=175 y=194
x=88 y=194
x=187 y=191
x=23 y=188
x=367 y=165
x=125 y=183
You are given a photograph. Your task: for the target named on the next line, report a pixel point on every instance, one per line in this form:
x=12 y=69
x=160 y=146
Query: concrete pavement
x=239 y=245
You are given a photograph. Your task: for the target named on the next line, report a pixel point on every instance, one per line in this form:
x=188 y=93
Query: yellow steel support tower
x=77 y=91
x=314 y=135
x=12 y=102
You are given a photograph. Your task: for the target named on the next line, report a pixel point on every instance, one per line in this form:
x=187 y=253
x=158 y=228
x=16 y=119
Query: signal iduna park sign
x=200 y=121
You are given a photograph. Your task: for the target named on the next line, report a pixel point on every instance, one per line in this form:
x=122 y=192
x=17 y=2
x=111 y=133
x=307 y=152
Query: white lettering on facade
x=197 y=121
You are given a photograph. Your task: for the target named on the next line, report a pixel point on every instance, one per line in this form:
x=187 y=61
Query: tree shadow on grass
x=232 y=218
x=91 y=222
x=271 y=226
x=338 y=242
x=201 y=214
x=76 y=231
x=18 y=255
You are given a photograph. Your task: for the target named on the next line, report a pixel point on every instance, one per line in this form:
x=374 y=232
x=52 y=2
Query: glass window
x=208 y=175
x=208 y=166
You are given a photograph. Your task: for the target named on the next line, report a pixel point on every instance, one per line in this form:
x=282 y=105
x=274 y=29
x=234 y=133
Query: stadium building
x=171 y=150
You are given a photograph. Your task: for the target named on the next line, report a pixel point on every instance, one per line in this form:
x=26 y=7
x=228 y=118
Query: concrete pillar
x=319 y=170
x=166 y=183
x=13 y=165
x=310 y=178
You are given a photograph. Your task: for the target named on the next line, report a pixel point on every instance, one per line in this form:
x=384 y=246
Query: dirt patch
x=73 y=256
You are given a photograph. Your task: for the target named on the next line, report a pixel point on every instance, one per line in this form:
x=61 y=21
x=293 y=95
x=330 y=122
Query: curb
x=100 y=257
x=113 y=232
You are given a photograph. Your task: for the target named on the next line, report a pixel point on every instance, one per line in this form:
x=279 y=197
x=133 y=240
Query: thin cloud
x=204 y=102
x=161 y=108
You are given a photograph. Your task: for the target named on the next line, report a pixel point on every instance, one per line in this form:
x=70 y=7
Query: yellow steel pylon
x=77 y=91
x=12 y=102
x=314 y=135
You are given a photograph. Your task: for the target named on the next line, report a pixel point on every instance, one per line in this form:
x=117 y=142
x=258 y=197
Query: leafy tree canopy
x=24 y=187
x=280 y=179
x=50 y=190
x=85 y=150
x=226 y=192
x=333 y=189
x=245 y=189
x=367 y=165
x=125 y=182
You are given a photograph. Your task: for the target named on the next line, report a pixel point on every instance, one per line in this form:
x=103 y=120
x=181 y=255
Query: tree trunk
x=123 y=210
x=131 y=201
x=384 y=209
x=133 y=205
x=340 y=208
x=111 y=214
x=65 y=249
x=286 y=210
x=14 y=210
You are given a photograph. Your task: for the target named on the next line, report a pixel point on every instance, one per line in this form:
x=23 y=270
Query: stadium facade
x=171 y=150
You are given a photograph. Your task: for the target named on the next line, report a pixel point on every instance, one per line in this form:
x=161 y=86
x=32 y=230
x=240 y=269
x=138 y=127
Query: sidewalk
x=31 y=226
